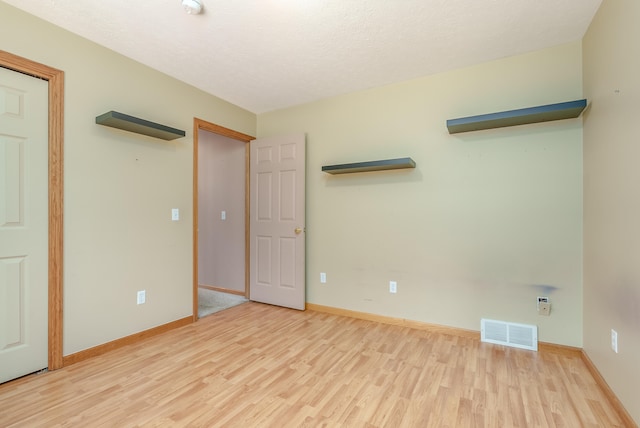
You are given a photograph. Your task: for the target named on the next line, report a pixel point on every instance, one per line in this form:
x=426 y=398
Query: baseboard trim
x=627 y=420
x=223 y=290
x=124 y=341
x=570 y=351
x=418 y=325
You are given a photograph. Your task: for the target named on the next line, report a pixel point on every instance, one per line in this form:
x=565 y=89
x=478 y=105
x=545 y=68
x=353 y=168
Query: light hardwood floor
x=256 y=365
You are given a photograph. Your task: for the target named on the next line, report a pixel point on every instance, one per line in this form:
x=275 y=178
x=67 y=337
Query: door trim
x=199 y=124
x=56 y=139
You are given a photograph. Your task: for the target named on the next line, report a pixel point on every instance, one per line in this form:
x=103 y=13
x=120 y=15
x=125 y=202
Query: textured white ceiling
x=264 y=55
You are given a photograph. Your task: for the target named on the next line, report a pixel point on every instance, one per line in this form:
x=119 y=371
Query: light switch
x=223 y=215
x=175 y=214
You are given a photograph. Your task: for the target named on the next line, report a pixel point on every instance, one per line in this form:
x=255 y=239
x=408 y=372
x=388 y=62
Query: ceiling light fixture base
x=192 y=7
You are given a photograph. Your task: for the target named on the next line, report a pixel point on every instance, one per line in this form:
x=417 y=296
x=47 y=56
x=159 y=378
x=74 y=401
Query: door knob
x=298 y=230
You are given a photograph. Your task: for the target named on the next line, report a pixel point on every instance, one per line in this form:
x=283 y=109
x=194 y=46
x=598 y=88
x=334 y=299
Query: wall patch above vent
x=522 y=336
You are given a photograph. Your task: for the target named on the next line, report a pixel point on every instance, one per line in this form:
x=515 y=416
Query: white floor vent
x=509 y=334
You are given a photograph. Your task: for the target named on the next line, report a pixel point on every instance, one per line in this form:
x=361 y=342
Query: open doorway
x=220 y=215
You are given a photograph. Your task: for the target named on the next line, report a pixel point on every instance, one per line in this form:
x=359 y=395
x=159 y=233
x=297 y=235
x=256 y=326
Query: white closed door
x=23 y=224
x=277 y=226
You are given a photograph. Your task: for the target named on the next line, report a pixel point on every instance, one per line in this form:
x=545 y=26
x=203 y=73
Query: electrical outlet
x=544 y=306
x=393 y=287
x=544 y=309
x=142 y=297
x=614 y=341
x=323 y=278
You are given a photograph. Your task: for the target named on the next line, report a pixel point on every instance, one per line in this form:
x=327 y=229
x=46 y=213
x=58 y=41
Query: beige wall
x=221 y=187
x=611 y=197
x=120 y=187
x=487 y=221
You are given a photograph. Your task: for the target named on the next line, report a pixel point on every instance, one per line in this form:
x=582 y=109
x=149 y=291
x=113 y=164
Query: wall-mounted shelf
x=123 y=121
x=522 y=116
x=378 y=165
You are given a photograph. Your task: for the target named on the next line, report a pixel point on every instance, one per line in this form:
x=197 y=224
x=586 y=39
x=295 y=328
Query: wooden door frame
x=199 y=124
x=55 y=79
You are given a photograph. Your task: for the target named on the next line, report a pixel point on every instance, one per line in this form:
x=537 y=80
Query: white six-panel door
x=277 y=226
x=23 y=224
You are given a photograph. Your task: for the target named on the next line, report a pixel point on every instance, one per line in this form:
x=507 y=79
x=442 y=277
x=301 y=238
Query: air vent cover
x=509 y=334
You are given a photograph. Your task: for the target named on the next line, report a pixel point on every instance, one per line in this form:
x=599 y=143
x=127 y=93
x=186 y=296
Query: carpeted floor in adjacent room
x=211 y=301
